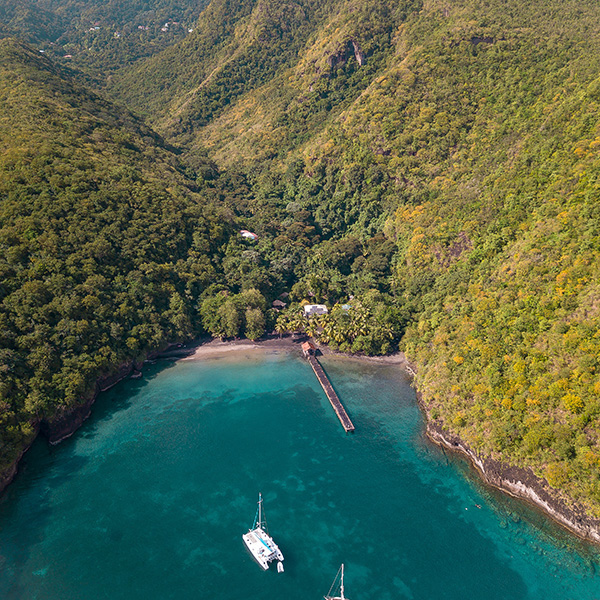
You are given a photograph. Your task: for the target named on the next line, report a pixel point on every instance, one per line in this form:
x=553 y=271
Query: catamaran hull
x=261 y=563
x=262 y=547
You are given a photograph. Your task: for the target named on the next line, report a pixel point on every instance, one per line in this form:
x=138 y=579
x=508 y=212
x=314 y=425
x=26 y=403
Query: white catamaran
x=335 y=586
x=260 y=543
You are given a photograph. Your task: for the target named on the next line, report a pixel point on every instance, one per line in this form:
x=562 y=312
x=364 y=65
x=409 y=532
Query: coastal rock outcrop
x=66 y=422
x=69 y=420
x=521 y=483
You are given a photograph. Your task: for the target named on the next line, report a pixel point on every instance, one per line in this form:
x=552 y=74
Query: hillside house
x=248 y=235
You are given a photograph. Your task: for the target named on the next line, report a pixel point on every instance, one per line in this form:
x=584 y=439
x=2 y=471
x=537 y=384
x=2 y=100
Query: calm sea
x=150 y=498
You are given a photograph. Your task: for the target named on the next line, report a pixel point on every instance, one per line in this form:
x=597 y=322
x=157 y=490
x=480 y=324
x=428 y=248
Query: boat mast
x=340 y=575
x=259 y=524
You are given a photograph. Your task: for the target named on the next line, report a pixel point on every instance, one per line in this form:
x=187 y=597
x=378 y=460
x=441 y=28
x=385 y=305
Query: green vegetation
x=370 y=324
x=106 y=245
x=99 y=37
x=227 y=315
x=455 y=172
x=433 y=165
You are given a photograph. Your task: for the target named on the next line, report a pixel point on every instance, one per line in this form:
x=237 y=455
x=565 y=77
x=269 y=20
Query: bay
x=149 y=499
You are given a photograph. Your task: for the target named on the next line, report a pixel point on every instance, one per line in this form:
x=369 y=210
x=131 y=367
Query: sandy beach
x=214 y=347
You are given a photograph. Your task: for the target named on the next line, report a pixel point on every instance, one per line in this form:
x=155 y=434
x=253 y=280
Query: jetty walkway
x=330 y=392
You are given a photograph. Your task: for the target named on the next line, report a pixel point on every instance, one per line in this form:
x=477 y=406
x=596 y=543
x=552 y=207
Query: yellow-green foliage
x=470 y=139
x=455 y=172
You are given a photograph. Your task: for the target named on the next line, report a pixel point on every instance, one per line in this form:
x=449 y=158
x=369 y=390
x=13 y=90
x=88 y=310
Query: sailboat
x=260 y=543
x=335 y=586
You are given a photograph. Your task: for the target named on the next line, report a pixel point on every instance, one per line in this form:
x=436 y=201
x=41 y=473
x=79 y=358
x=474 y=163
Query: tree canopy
x=432 y=166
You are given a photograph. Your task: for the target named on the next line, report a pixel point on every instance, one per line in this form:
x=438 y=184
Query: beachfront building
x=309 y=349
x=314 y=309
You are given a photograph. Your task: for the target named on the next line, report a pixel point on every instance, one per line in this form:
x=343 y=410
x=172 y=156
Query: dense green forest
x=99 y=37
x=442 y=156
x=429 y=170
x=106 y=243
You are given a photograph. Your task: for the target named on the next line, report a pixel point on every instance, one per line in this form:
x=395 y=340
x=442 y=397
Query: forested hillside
x=105 y=243
x=431 y=168
x=443 y=154
x=101 y=36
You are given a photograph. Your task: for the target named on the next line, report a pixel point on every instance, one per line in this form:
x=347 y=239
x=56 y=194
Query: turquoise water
x=150 y=498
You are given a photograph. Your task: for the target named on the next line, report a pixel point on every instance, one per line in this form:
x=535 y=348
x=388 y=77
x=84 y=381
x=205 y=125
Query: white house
x=248 y=235
x=314 y=309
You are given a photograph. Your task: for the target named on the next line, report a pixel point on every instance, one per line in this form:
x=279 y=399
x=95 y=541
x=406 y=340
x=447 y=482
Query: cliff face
x=68 y=420
x=9 y=474
x=521 y=483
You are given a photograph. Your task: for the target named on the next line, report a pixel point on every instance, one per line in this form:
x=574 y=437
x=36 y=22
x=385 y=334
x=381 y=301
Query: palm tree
x=312 y=327
x=328 y=331
x=340 y=336
x=297 y=322
x=282 y=325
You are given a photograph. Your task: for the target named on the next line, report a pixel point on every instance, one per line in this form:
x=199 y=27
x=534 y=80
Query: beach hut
x=308 y=349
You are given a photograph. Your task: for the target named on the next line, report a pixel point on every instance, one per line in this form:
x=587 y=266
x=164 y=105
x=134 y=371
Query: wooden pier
x=340 y=411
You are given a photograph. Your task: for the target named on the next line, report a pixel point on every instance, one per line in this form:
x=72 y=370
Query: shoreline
x=517 y=482
x=213 y=347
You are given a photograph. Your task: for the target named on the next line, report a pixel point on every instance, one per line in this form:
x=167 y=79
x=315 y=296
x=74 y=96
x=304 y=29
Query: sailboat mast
x=342 y=583
x=259 y=510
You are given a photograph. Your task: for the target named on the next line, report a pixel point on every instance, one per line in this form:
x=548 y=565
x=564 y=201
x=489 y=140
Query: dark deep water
x=150 y=498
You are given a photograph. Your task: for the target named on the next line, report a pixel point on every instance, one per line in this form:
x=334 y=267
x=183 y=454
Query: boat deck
x=262 y=547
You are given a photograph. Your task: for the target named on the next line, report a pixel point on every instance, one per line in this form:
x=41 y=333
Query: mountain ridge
x=468 y=138
x=436 y=165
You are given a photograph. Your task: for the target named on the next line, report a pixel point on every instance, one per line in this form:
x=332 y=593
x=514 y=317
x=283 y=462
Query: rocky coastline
x=517 y=481
x=66 y=422
x=9 y=474
x=521 y=483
